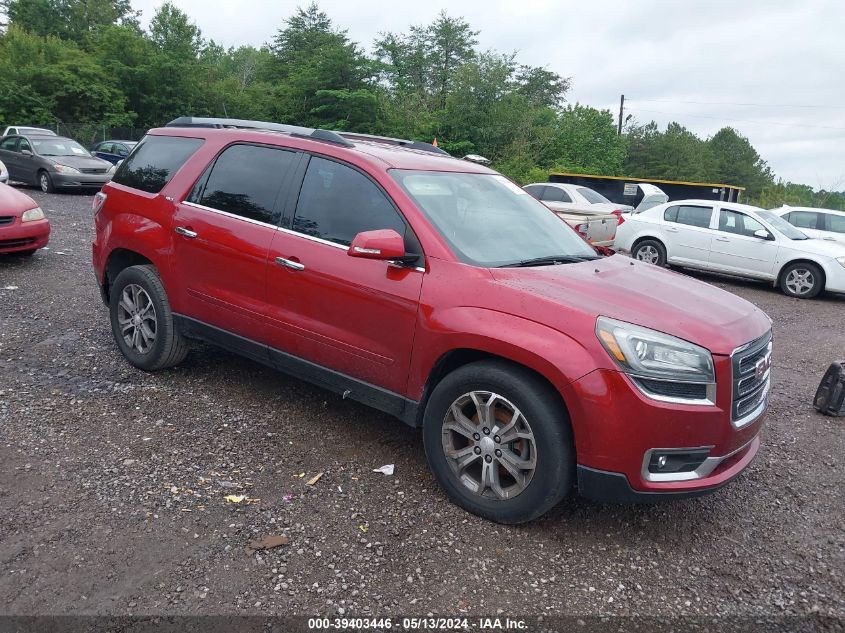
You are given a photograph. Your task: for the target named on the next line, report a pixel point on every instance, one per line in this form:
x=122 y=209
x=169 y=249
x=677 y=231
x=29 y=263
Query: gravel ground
x=113 y=483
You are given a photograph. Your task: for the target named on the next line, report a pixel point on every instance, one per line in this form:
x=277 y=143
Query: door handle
x=181 y=230
x=671 y=230
x=722 y=239
x=288 y=263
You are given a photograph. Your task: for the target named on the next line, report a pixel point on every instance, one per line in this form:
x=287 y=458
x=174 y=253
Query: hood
x=80 y=162
x=13 y=202
x=643 y=294
x=825 y=248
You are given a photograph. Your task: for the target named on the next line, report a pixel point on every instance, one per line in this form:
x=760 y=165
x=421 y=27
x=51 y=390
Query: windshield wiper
x=550 y=260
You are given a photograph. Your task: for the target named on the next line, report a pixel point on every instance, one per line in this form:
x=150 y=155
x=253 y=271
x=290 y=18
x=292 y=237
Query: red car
x=23 y=227
x=437 y=290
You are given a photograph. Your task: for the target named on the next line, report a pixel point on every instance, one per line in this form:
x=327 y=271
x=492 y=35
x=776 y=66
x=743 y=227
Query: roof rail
x=294 y=130
x=420 y=145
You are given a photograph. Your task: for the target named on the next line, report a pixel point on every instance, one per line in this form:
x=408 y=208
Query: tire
x=802 y=280
x=140 y=312
x=45 y=182
x=550 y=447
x=650 y=252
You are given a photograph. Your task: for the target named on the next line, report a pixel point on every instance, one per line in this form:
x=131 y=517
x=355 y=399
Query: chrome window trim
x=288 y=231
x=229 y=215
x=707 y=466
x=708 y=401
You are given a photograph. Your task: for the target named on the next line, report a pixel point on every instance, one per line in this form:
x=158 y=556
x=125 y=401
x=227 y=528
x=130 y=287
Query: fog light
x=676 y=461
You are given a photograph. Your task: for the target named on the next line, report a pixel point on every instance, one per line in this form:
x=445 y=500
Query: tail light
x=619 y=216
x=582 y=229
x=99 y=201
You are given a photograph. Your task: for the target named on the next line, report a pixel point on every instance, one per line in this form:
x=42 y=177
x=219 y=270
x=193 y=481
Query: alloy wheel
x=489 y=445
x=45 y=183
x=800 y=281
x=136 y=317
x=648 y=254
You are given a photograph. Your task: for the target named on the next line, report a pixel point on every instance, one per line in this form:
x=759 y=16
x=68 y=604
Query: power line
x=719 y=118
x=754 y=105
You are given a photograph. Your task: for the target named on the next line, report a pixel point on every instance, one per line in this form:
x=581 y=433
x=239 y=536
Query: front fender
x=552 y=354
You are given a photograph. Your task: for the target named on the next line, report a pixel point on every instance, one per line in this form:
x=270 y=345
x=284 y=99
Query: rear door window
x=155 y=161
x=246 y=181
x=556 y=194
x=689 y=215
x=337 y=202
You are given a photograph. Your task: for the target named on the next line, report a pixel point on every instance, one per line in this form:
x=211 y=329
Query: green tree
x=738 y=163
x=676 y=154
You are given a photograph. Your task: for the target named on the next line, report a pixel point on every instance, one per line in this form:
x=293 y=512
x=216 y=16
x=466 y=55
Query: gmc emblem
x=762 y=366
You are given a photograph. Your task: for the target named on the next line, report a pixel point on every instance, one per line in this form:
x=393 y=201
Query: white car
x=4 y=173
x=25 y=130
x=824 y=224
x=735 y=239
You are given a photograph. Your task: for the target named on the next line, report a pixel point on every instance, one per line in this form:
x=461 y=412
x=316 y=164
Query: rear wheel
x=650 y=252
x=498 y=440
x=45 y=182
x=142 y=322
x=803 y=280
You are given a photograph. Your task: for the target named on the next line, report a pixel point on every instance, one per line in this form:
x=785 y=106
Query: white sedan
x=734 y=239
x=824 y=224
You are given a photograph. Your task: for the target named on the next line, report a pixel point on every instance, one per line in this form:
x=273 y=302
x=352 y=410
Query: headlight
x=2 y=168
x=32 y=215
x=111 y=169
x=646 y=353
x=841 y=260
x=66 y=169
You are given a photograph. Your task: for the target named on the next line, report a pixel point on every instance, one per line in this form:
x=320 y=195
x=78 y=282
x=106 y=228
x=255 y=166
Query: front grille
x=750 y=377
x=93 y=170
x=16 y=243
x=6 y=219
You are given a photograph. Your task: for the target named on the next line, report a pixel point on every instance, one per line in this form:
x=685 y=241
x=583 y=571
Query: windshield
x=593 y=197
x=489 y=221
x=782 y=225
x=58 y=147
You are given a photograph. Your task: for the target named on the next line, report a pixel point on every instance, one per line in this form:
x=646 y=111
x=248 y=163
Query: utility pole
x=621 y=112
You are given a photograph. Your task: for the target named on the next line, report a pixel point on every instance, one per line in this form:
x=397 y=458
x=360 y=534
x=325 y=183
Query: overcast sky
x=703 y=63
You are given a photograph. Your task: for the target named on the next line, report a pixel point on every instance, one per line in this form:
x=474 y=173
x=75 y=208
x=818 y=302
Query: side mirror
x=26 y=152
x=383 y=244
x=763 y=234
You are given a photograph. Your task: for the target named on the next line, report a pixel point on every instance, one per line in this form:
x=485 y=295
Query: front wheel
x=802 y=280
x=650 y=252
x=498 y=441
x=142 y=322
x=45 y=182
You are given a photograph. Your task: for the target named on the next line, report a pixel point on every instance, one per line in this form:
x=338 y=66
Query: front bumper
x=601 y=485
x=24 y=236
x=79 y=181
x=617 y=428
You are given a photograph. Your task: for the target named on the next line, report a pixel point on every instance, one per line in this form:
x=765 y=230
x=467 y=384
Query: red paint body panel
x=16 y=236
x=390 y=326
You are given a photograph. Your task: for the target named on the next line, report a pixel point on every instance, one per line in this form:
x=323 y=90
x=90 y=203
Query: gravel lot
x=113 y=481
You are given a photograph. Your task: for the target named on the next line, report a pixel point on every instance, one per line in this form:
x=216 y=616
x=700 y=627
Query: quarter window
x=804 y=219
x=246 y=180
x=689 y=215
x=158 y=158
x=738 y=223
x=337 y=202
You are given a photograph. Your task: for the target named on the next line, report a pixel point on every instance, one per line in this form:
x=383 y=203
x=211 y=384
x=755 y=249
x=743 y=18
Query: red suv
x=436 y=290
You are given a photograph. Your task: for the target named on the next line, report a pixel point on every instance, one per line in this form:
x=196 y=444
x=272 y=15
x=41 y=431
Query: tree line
x=91 y=62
